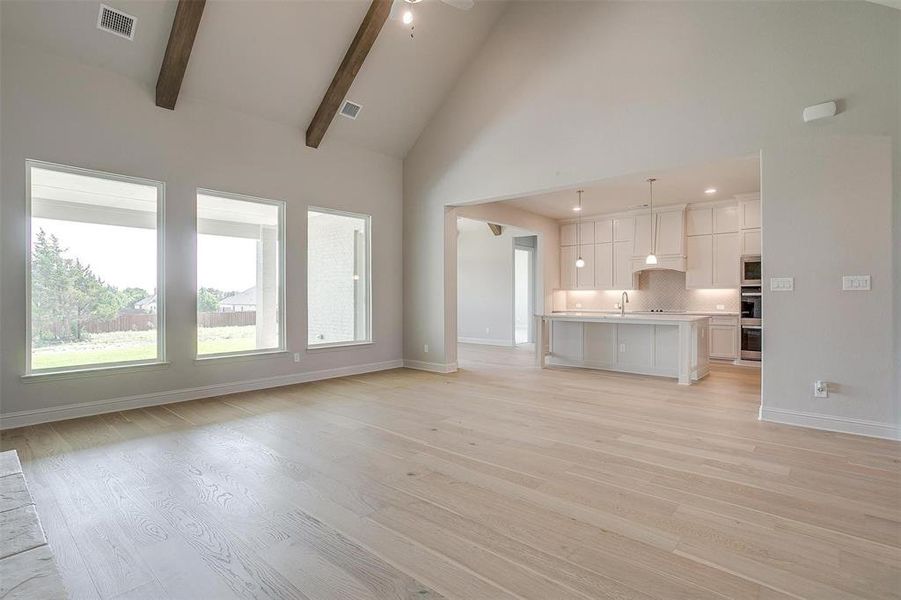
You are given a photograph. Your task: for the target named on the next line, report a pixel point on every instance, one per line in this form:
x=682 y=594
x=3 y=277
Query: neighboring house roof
x=246 y=298
x=145 y=302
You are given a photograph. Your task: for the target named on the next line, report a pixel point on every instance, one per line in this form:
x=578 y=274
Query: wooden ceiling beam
x=359 y=48
x=178 y=51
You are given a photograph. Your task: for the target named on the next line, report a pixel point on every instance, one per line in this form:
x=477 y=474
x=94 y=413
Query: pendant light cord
x=651 y=186
x=580 y=223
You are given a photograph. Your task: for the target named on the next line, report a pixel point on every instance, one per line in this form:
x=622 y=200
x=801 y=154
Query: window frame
x=90 y=368
x=368 y=291
x=282 y=294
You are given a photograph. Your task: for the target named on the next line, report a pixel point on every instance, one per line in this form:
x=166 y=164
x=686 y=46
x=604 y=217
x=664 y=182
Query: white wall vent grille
x=116 y=22
x=350 y=109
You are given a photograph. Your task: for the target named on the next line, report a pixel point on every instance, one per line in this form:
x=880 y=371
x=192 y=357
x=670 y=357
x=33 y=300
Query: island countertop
x=645 y=319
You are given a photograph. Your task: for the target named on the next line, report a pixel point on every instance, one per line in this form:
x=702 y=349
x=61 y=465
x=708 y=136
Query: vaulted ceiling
x=275 y=59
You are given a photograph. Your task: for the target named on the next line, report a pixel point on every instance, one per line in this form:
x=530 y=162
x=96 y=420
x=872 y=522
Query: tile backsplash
x=657 y=290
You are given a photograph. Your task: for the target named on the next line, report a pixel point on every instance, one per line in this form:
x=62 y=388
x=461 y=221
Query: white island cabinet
x=665 y=345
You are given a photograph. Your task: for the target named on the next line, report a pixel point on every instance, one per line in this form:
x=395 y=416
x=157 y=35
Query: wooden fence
x=144 y=322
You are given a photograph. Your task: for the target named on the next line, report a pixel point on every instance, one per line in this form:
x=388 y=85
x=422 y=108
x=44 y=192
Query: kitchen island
x=670 y=345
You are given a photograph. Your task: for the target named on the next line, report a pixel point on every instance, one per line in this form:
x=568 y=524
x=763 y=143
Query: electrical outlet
x=820 y=389
x=297 y=357
x=487 y=330
x=425 y=348
x=721 y=307
x=622 y=347
x=578 y=305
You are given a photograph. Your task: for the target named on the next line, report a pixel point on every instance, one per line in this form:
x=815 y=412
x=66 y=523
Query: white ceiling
x=687 y=184
x=275 y=59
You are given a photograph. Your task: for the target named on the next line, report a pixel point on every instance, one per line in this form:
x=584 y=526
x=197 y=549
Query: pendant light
x=580 y=262
x=651 y=258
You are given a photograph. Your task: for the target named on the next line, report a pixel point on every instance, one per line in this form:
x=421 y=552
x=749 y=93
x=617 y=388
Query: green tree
x=130 y=295
x=65 y=294
x=208 y=300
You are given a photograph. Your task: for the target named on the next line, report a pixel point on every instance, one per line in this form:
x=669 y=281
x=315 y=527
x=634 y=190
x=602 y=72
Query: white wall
x=485 y=285
x=564 y=94
x=56 y=110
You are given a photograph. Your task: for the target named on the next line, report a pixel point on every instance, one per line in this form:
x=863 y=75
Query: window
x=95 y=269
x=338 y=288
x=240 y=274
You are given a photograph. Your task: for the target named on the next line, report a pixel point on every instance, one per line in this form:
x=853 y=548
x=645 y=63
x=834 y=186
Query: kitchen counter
x=659 y=318
x=664 y=344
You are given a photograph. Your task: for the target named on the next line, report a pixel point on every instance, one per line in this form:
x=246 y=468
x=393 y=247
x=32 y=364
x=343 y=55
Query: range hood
x=664 y=263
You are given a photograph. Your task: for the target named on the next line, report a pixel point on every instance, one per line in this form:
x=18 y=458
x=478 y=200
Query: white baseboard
x=420 y=365
x=485 y=342
x=876 y=429
x=86 y=409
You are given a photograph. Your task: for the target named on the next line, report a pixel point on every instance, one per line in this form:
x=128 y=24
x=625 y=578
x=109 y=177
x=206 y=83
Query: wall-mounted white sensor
x=820 y=111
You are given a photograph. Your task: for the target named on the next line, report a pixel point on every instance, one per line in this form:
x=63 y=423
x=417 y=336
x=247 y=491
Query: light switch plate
x=856 y=283
x=782 y=284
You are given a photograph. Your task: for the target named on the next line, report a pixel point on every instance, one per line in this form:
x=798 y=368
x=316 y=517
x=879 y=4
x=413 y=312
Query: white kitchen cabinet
x=566 y=340
x=587 y=229
x=603 y=231
x=568 y=267
x=623 y=278
x=725 y=218
x=623 y=229
x=569 y=234
x=603 y=266
x=585 y=275
x=712 y=261
x=726 y=254
x=724 y=341
x=750 y=241
x=749 y=208
x=699 y=262
x=599 y=346
x=699 y=221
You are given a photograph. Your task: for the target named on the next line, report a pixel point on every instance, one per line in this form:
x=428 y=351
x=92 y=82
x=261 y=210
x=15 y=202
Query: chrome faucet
x=622 y=304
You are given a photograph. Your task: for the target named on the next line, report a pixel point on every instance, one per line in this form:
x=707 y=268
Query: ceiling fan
x=402 y=10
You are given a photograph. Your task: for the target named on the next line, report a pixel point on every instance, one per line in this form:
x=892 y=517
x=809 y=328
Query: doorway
x=523 y=290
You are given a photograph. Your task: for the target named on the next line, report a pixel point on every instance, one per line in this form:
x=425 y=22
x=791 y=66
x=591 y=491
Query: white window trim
x=282 y=296
x=94 y=368
x=369 y=338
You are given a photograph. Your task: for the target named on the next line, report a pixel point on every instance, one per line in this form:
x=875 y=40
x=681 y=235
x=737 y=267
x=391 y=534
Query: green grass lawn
x=126 y=346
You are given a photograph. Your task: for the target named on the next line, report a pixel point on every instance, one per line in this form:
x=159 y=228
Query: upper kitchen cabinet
x=749 y=222
x=603 y=231
x=750 y=242
x=568 y=267
x=623 y=229
x=699 y=220
x=725 y=218
x=749 y=210
x=569 y=234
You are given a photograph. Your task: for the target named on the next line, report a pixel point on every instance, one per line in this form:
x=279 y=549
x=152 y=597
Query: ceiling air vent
x=116 y=22
x=350 y=109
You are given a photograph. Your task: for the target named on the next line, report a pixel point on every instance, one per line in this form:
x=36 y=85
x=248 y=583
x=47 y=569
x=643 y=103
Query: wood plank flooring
x=499 y=481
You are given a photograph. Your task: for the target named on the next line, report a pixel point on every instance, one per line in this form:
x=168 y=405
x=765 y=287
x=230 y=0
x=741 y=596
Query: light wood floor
x=500 y=481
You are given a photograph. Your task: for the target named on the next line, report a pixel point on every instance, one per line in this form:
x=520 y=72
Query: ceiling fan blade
x=461 y=4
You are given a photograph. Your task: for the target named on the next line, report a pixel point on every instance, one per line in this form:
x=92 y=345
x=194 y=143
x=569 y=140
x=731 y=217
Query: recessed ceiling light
x=577 y=208
x=408 y=17
x=710 y=191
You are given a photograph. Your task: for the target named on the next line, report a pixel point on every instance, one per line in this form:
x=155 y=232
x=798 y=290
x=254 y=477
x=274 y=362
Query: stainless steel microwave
x=750 y=270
